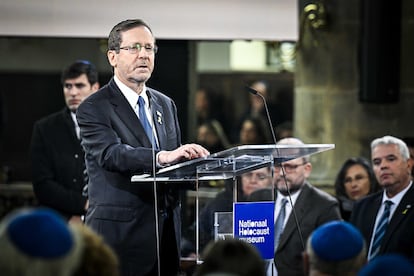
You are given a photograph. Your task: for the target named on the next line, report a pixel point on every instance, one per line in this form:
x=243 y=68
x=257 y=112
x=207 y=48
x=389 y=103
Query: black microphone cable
x=255 y=92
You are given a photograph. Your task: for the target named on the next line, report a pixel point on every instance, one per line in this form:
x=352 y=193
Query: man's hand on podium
x=185 y=152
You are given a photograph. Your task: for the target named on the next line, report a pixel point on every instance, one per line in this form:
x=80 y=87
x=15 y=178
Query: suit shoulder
x=102 y=93
x=95 y=99
x=159 y=95
x=51 y=119
x=321 y=195
x=369 y=198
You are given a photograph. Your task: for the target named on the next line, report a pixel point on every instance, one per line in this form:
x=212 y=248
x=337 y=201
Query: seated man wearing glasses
x=311 y=208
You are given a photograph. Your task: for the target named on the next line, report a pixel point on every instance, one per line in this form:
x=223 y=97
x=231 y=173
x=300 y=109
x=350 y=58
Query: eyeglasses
x=135 y=48
x=288 y=168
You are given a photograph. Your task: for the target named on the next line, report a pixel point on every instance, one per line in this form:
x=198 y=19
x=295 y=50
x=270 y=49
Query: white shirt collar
x=293 y=196
x=397 y=198
x=77 y=130
x=131 y=95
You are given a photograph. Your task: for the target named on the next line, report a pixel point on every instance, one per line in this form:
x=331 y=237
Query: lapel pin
x=159 y=117
x=406 y=209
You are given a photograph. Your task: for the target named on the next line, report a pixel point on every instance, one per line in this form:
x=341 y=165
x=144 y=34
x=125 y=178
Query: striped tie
x=279 y=222
x=380 y=230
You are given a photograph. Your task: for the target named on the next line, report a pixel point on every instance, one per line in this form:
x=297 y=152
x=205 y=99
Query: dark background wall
x=27 y=95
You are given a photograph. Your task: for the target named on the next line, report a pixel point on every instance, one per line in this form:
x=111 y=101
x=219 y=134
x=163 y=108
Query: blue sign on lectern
x=254 y=223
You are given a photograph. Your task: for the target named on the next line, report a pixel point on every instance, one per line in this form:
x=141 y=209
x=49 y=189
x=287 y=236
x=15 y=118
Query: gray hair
x=391 y=140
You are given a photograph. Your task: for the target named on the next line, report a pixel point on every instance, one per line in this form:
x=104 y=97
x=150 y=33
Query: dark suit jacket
x=57 y=164
x=116 y=148
x=399 y=236
x=313 y=208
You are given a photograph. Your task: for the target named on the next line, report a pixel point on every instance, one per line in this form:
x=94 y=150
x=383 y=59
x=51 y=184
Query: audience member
x=256 y=108
x=205 y=104
x=335 y=248
x=223 y=202
x=98 y=259
x=355 y=179
x=284 y=130
x=231 y=257
x=38 y=242
x=208 y=107
x=388 y=265
x=211 y=136
x=253 y=132
x=386 y=218
x=128 y=128
x=313 y=207
x=57 y=157
x=409 y=141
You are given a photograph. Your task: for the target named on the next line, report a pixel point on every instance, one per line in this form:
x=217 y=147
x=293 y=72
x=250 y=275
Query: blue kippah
x=337 y=241
x=40 y=233
x=388 y=265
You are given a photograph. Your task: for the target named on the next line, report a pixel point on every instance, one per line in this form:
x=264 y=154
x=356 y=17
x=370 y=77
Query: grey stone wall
x=327 y=107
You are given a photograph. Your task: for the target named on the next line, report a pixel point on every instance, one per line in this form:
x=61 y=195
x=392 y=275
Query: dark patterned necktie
x=380 y=230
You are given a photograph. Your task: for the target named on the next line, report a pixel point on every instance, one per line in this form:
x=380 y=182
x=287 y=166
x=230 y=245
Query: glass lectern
x=228 y=165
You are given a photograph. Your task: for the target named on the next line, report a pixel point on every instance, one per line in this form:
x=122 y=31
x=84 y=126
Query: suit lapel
x=373 y=210
x=300 y=210
x=127 y=115
x=402 y=212
x=70 y=125
x=157 y=114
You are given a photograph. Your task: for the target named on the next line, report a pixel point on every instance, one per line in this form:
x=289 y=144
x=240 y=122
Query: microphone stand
x=255 y=92
x=156 y=214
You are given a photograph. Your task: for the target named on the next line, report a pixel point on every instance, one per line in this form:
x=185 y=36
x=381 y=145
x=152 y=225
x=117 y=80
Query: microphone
x=255 y=92
x=269 y=120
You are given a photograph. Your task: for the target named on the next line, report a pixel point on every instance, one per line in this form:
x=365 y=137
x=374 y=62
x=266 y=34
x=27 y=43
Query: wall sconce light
x=315 y=15
x=313 y=18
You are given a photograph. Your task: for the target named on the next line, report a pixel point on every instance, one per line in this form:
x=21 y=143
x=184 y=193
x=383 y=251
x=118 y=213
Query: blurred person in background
x=386 y=218
x=231 y=257
x=211 y=135
x=355 y=179
x=335 y=248
x=253 y=132
x=58 y=165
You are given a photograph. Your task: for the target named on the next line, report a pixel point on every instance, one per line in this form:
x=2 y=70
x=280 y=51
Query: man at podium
x=128 y=128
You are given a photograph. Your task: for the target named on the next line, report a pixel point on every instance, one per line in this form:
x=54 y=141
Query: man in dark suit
x=312 y=207
x=117 y=146
x=392 y=166
x=56 y=154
